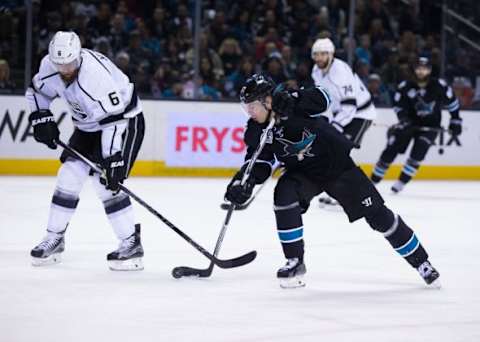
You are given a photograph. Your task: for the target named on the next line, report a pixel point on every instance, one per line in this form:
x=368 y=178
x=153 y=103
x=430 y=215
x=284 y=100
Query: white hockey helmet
x=64 y=49
x=323 y=45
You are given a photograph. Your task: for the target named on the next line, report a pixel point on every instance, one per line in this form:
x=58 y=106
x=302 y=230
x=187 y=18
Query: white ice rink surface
x=357 y=289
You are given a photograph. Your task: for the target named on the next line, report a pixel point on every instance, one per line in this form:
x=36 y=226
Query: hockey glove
x=115 y=172
x=401 y=127
x=238 y=194
x=45 y=129
x=283 y=103
x=455 y=126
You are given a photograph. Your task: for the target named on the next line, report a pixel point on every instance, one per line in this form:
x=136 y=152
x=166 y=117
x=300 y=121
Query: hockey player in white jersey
x=352 y=106
x=109 y=129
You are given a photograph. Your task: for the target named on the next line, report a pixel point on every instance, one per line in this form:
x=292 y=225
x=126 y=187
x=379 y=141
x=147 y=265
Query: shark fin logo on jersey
x=424 y=108
x=300 y=149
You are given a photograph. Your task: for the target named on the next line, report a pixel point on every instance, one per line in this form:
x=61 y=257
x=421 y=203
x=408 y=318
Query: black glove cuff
x=41 y=117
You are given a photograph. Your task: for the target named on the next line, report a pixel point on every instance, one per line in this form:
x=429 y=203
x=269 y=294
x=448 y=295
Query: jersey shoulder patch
x=402 y=84
x=442 y=82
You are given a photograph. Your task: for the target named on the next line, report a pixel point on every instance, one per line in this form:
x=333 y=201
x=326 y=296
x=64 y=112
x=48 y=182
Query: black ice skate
x=128 y=256
x=429 y=274
x=49 y=250
x=397 y=187
x=291 y=275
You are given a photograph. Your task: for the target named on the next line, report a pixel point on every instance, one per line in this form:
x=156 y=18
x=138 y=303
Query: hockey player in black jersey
x=418 y=105
x=316 y=159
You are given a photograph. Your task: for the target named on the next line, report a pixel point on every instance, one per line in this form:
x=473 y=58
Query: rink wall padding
x=204 y=139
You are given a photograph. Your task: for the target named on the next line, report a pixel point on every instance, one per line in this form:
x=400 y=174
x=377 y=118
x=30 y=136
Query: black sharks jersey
x=305 y=142
x=423 y=106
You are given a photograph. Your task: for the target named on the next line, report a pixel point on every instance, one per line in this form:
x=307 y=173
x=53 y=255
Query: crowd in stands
x=152 y=41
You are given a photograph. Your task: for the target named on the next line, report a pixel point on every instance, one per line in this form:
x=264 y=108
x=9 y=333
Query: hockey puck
x=440 y=151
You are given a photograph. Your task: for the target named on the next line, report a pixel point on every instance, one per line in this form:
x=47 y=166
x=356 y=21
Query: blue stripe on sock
x=409 y=247
x=291 y=234
x=379 y=171
x=409 y=170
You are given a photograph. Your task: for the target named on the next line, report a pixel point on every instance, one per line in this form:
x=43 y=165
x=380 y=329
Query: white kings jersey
x=101 y=98
x=350 y=98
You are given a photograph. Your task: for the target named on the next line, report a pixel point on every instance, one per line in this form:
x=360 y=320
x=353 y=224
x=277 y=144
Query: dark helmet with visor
x=257 y=87
x=253 y=94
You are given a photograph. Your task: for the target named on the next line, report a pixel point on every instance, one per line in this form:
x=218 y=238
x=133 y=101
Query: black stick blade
x=185 y=271
x=226 y=206
x=236 y=262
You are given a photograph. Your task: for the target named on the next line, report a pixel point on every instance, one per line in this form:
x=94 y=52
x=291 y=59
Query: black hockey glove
x=238 y=194
x=115 y=172
x=45 y=129
x=401 y=127
x=283 y=103
x=455 y=126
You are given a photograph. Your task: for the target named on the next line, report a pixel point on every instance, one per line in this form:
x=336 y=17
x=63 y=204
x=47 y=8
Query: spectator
x=118 y=34
x=363 y=50
x=303 y=74
x=54 y=24
x=237 y=79
x=380 y=95
x=289 y=63
x=99 y=25
x=230 y=54
x=159 y=81
x=122 y=61
x=6 y=85
x=159 y=24
x=149 y=44
x=273 y=66
x=102 y=45
x=137 y=54
x=390 y=72
x=241 y=29
x=362 y=68
x=462 y=87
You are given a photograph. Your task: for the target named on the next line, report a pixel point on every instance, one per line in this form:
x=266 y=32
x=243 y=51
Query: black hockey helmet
x=423 y=61
x=256 y=87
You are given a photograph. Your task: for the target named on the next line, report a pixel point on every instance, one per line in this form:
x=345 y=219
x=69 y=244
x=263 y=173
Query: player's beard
x=323 y=65
x=423 y=80
x=69 y=78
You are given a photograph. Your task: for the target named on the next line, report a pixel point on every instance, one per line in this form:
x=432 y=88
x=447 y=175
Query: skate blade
x=292 y=283
x=50 y=260
x=134 y=264
x=436 y=284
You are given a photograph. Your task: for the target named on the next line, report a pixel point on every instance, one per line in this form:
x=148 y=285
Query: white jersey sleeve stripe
x=91 y=98
x=99 y=61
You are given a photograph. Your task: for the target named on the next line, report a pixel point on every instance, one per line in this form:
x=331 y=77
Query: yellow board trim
x=44 y=167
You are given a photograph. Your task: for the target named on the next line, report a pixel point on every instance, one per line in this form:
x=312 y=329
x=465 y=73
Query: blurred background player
x=352 y=106
x=109 y=130
x=316 y=158
x=418 y=105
